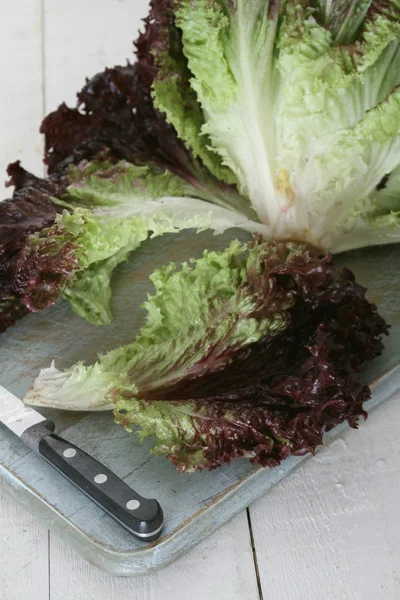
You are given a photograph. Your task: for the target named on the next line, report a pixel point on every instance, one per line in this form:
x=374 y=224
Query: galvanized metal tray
x=194 y=505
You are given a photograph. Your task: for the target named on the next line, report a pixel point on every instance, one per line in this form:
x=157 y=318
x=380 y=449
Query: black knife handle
x=142 y=517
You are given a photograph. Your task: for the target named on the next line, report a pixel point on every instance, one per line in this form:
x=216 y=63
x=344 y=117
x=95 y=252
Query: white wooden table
x=331 y=530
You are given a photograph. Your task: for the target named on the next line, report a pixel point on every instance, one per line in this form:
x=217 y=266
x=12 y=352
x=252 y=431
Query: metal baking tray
x=194 y=505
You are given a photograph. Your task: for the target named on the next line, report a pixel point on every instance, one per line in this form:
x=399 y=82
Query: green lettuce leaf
x=174 y=97
x=285 y=115
x=249 y=352
x=214 y=302
x=109 y=211
x=302 y=104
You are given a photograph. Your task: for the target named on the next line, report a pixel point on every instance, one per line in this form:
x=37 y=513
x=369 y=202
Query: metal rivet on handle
x=100 y=478
x=132 y=504
x=69 y=453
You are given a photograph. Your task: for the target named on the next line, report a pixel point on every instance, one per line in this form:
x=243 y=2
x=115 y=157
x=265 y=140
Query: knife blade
x=141 y=516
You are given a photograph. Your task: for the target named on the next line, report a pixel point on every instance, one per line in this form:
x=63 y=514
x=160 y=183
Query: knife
x=140 y=516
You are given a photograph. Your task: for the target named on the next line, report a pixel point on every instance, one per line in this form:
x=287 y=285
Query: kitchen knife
x=140 y=516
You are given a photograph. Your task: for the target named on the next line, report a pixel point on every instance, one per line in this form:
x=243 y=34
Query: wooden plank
x=194 y=505
x=81 y=38
x=22 y=101
x=23 y=553
x=332 y=529
x=24 y=542
x=21 y=98
x=221 y=568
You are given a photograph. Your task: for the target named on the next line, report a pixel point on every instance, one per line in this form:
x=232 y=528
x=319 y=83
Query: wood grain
x=24 y=572
x=81 y=38
x=24 y=556
x=21 y=94
x=332 y=529
x=220 y=568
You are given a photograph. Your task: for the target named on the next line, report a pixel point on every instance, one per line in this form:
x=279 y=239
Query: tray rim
x=167 y=549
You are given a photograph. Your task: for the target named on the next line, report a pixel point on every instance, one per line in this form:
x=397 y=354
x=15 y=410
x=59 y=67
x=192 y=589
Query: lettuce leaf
x=302 y=104
x=29 y=211
x=287 y=114
x=109 y=210
x=250 y=352
x=116 y=115
x=282 y=118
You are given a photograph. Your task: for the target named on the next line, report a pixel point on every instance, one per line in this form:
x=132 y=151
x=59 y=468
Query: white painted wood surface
x=331 y=530
x=24 y=558
x=21 y=90
x=220 y=568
